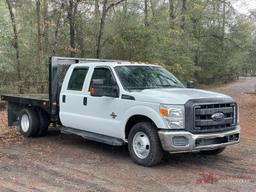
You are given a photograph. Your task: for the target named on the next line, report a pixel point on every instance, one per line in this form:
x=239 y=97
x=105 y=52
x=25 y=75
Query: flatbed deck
x=38 y=97
x=18 y=101
x=33 y=100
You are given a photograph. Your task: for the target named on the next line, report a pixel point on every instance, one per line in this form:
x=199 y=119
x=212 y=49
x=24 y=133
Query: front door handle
x=85 y=101
x=63 y=98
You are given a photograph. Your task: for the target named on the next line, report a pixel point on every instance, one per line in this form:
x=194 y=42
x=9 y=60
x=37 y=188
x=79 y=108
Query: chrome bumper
x=197 y=142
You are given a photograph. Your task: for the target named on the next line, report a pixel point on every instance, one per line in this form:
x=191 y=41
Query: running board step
x=93 y=136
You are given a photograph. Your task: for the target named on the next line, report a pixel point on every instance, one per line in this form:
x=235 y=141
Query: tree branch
x=114 y=4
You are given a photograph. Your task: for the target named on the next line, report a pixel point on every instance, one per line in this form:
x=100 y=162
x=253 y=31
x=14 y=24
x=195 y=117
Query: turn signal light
x=92 y=90
x=164 y=112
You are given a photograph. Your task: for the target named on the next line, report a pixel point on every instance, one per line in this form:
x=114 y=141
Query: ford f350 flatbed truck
x=118 y=103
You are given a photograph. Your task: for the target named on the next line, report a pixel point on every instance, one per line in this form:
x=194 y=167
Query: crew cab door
x=102 y=114
x=73 y=99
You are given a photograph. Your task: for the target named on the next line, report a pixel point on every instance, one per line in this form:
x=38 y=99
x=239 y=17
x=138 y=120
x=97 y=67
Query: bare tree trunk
x=72 y=10
x=56 y=33
x=80 y=38
x=97 y=19
x=196 y=26
x=71 y=27
x=125 y=9
x=39 y=33
x=183 y=14
x=45 y=26
x=146 y=23
x=223 y=31
x=196 y=34
x=153 y=7
x=105 y=10
x=16 y=39
x=171 y=14
x=102 y=24
x=97 y=10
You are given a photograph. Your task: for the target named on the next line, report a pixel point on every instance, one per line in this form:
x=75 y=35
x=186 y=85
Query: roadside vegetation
x=202 y=40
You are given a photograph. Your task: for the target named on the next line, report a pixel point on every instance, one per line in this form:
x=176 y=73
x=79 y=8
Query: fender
x=142 y=110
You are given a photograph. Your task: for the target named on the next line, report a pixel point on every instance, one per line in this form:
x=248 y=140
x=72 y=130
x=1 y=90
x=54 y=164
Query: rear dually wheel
x=43 y=123
x=28 y=121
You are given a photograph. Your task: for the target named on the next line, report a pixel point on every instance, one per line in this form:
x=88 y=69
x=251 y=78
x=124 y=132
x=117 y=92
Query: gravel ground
x=69 y=163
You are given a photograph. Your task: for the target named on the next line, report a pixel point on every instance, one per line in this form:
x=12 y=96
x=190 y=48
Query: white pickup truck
x=118 y=103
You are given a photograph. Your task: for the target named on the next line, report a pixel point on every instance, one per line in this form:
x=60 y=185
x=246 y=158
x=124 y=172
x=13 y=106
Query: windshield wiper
x=140 y=88
x=172 y=86
x=135 y=88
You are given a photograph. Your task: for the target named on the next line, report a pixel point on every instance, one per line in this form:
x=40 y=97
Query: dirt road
x=69 y=163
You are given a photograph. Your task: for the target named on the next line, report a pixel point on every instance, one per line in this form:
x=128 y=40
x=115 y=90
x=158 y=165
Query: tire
x=29 y=122
x=43 y=123
x=144 y=145
x=213 y=152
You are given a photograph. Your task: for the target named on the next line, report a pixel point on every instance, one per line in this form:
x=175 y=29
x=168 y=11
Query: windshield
x=146 y=77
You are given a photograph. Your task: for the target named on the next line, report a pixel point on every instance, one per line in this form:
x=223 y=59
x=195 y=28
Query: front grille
x=204 y=122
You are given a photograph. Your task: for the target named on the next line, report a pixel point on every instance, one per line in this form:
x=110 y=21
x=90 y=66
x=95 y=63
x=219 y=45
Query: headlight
x=174 y=115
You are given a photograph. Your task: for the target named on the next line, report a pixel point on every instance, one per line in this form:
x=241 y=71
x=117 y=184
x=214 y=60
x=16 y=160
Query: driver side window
x=104 y=75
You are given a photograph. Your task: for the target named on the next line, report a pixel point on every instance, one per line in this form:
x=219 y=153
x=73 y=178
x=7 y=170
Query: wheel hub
x=24 y=122
x=141 y=145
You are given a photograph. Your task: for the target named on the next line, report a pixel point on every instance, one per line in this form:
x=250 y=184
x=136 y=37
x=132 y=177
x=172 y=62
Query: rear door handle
x=63 y=98
x=85 y=101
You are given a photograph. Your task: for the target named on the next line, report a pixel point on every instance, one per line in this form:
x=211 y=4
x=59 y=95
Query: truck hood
x=176 y=95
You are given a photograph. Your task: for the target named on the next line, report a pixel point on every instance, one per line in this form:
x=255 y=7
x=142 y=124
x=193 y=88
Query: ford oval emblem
x=218 y=116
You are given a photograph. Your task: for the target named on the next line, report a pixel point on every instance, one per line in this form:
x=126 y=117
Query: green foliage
x=214 y=46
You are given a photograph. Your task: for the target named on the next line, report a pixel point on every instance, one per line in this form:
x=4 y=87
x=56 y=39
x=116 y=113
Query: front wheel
x=144 y=144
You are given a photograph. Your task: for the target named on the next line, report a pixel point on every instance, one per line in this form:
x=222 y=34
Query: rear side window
x=77 y=78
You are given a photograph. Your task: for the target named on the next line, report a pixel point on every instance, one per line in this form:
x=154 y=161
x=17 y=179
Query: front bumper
x=184 y=141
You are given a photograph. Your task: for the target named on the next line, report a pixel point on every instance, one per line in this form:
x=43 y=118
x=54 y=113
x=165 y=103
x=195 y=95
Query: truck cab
x=141 y=105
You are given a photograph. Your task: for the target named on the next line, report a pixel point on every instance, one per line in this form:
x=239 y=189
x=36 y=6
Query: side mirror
x=190 y=84
x=98 y=89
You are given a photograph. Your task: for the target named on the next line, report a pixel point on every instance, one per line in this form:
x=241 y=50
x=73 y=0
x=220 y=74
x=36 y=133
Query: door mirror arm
x=190 y=84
